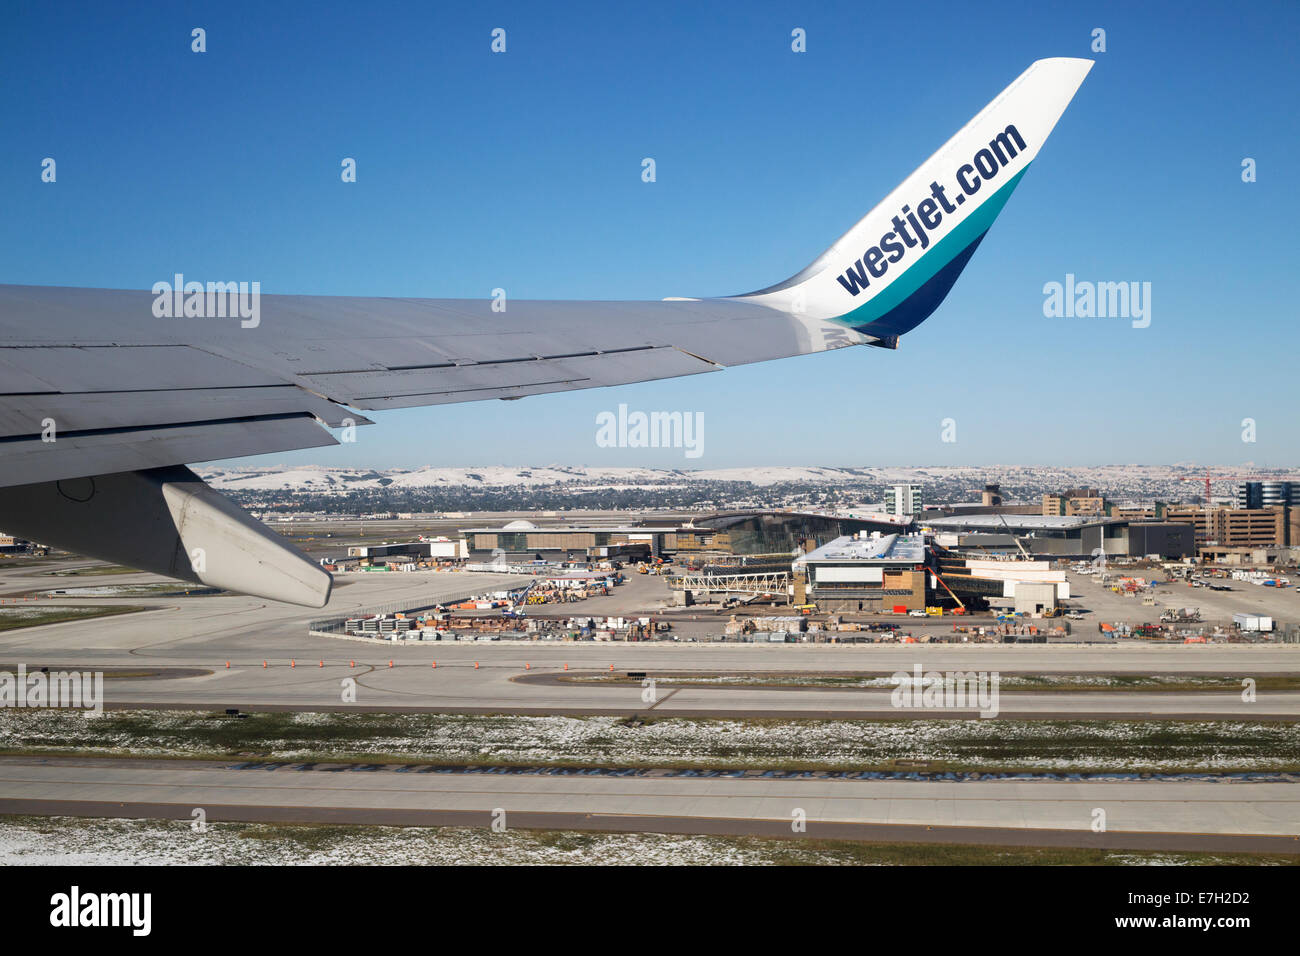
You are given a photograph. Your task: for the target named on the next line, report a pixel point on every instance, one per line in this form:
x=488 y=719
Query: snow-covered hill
x=1138 y=480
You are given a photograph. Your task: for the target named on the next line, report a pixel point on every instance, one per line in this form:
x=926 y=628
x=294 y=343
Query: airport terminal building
x=1065 y=536
x=725 y=532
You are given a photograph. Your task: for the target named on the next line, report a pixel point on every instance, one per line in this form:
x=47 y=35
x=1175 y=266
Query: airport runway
x=499 y=685
x=1262 y=816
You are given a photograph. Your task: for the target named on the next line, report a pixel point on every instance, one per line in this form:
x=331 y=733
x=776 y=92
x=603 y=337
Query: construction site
x=1084 y=570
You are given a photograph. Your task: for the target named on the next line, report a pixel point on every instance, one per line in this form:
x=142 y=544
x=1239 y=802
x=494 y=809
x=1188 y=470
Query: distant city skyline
x=271 y=461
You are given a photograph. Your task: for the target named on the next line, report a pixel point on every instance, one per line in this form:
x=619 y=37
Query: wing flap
x=119 y=368
x=73 y=454
x=27 y=415
x=397 y=388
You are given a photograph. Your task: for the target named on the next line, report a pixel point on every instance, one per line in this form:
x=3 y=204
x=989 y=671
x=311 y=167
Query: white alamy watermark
x=950 y=690
x=75 y=908
x=57 y=690
x=214 y=300
x=1098 y=300
x=624 y=429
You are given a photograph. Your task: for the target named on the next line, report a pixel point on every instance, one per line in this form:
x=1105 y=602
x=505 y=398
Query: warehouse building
x=525 y=541
x=435 y=549
x=1034 y=598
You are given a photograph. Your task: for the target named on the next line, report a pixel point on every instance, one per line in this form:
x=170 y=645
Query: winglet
x=888 y=273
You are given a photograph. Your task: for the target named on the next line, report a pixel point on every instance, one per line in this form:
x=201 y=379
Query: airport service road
x=501 y=687
x=206 y=632
x=1158 y=814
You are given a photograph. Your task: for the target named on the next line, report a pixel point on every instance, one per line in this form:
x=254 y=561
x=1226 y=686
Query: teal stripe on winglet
x=942 y=253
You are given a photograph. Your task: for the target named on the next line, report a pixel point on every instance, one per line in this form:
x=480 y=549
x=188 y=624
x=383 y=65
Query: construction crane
x=1013 y=536
x=951 y=593
x=516 y=609
x=1209 y=478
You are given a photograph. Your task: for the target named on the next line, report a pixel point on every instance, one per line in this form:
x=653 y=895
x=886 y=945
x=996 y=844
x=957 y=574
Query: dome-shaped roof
x=520 y=525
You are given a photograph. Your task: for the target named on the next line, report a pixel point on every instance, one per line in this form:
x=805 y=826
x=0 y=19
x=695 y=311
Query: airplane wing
x=106 y=394
x=122 y=389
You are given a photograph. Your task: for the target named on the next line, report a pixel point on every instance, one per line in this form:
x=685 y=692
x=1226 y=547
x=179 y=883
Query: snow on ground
x=27 y=613
x=324 y=479
x=318 y=478
x=67 y=841
x=35 y=611
x=609 y=741
x=116 y=590
x=71 y=841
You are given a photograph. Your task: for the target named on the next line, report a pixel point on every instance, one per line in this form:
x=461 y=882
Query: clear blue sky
x=522 y=170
